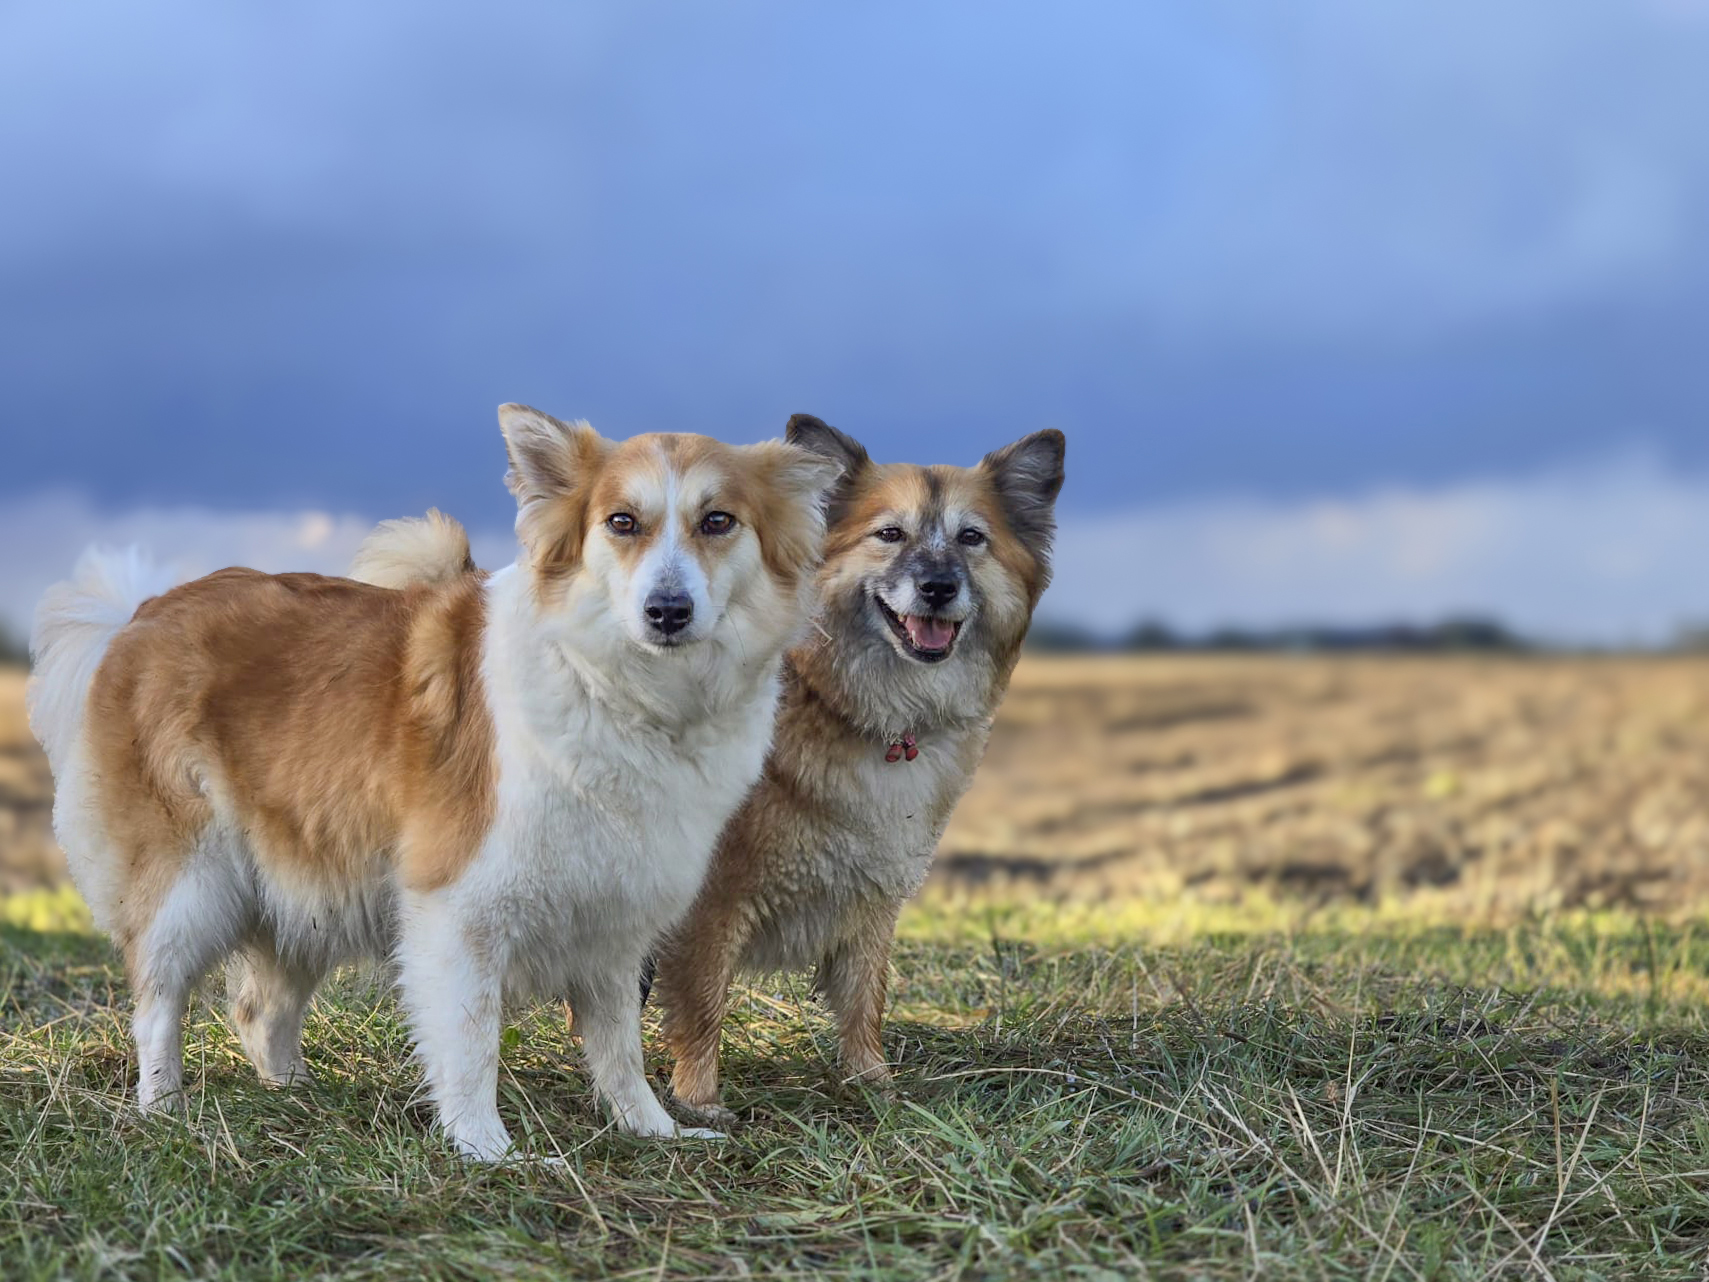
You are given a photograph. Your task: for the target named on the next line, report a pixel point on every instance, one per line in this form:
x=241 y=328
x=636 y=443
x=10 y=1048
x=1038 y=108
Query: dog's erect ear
x=819 y=436
x=803 y=474
x=1027 y=477
x=549 y=459
x=547 y=456
x=850 y=455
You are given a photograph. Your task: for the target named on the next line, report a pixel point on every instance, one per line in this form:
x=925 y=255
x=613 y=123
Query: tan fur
x=339 y=719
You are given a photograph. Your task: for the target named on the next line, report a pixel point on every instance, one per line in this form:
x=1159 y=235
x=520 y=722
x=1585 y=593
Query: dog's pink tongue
x=928 y=634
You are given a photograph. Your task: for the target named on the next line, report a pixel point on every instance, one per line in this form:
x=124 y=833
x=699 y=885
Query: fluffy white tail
x=75 y=623
x=414 y=549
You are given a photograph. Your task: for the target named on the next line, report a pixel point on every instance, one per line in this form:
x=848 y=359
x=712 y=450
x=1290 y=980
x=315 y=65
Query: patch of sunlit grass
x=59 y=910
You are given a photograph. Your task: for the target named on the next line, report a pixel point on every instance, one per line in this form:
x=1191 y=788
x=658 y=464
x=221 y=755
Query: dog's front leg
x=452 y=990
x=854 y=978
x=608 y=1018
x=696 y=968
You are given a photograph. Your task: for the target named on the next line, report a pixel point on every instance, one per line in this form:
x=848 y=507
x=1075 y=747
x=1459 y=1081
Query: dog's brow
x=699 y=477
x=647 y=492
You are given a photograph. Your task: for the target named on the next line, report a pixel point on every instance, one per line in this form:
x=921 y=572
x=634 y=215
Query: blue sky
x=266 y=264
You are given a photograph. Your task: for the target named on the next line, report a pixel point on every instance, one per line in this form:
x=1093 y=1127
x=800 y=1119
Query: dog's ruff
x=508 y=784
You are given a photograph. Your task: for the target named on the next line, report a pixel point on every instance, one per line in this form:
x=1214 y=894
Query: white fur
x=614 y=780
x=74 y=624
x=668 y=566
x=423 y=549
x=204 y=917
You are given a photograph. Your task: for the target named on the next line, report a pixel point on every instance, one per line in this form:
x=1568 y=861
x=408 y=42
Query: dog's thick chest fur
x=606 y=817
x=835 y=833
x=890 y=834
x=602 y=853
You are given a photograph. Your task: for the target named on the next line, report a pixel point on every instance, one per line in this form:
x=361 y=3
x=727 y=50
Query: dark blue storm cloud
x=267 y=257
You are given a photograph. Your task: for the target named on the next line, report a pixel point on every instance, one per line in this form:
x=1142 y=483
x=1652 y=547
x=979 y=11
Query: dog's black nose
x=939 y=592
x=669 y=612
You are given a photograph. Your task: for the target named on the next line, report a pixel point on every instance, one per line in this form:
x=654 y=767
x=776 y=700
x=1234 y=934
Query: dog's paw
x=172 y=1103
x=874 y=1075
x=699 y=1133
x=713 y=1114
x=719 y=1116
x=295 y=1075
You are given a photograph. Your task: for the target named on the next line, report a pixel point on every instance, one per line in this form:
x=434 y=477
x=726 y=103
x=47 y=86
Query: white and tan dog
x=511 y=784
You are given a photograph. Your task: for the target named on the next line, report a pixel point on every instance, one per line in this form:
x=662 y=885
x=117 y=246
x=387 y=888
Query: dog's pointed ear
x=549 y=459
x=1027 y=477
x=819 y=437
x=547 y=455
x=816 y=434
x=804 y=474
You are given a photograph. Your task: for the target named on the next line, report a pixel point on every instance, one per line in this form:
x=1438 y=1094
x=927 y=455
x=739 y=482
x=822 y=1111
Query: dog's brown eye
x=971 y=537
x=717 y=523
x=621 y=523
x=889 y=534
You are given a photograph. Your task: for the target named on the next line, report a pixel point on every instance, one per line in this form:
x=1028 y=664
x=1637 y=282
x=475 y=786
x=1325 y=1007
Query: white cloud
x=1607 y=554
x=1611 y=553
x=42 y=536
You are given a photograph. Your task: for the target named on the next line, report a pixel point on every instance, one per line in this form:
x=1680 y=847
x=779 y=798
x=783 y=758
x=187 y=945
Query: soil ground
x=28 y=857
x=1505 y=784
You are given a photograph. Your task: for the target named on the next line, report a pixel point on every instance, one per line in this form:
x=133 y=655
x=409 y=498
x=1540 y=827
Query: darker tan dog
x=929 y=582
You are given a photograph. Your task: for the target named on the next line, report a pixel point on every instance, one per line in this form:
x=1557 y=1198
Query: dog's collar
x=904 y=749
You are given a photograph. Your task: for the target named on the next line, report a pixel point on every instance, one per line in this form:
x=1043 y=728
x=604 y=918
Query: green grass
x=1166 y=1091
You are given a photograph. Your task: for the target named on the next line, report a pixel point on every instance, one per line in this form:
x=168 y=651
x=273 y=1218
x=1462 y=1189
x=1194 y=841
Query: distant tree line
x=1449 y=635
x=1049 y=636
x=1469 y=633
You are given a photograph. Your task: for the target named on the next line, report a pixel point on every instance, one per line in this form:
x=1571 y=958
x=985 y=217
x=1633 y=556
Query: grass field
x=1244 y=1095
x=1244 y=968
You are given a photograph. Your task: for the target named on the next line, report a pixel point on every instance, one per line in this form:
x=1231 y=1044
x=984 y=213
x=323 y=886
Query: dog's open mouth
x=927 y=639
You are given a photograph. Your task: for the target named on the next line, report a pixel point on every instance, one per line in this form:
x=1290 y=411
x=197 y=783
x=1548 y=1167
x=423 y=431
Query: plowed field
x=1515 y=783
